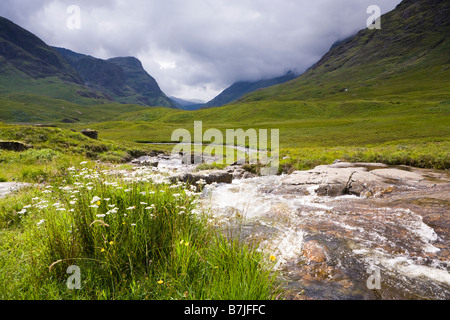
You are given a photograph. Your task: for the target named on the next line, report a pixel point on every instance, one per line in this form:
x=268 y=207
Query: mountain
x=23 y=51
x=28 y=65
x=239 y=89
x=189 y=105
x=123 y=79
x=407 y=59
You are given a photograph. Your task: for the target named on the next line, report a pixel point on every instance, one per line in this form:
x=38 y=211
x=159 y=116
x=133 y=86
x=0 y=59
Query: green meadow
x=131 y=235
x=379 y=96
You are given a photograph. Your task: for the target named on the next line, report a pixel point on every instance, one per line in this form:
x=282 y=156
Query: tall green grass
x=132 y=234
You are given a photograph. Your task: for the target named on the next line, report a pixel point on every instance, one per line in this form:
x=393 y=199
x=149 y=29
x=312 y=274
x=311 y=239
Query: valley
x=357 y=209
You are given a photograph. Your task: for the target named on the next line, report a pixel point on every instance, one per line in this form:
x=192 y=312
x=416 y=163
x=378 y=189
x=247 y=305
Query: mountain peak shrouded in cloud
x=197 y=48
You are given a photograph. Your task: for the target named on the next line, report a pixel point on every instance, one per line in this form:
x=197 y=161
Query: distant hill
x=408 y=58
x=240 y=89
x=188 y=105
x=123 y=79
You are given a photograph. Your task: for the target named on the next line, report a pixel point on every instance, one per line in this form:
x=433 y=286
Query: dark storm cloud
x=196 y=48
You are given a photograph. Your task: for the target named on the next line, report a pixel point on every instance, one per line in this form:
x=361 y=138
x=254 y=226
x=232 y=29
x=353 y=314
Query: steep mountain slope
x=21 y=50
x=406 y=59
x=28 y=65
x=123 y=79
x=239 y=89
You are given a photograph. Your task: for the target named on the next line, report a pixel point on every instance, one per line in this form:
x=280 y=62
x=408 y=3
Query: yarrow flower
x=95 y=199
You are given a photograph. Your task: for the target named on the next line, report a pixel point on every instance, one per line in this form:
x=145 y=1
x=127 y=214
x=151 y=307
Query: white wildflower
x=95 y=199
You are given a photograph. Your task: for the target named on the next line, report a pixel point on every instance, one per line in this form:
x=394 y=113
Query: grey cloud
x=196 y=48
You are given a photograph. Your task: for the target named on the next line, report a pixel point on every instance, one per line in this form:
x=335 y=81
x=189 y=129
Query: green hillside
x=34 y=108
x=241 y=88
x=407 y=59
x=382 y=95
x=123 y=79
x=29 y=66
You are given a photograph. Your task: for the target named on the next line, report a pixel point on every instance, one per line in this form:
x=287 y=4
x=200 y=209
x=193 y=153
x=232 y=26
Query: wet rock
x=344 y=178
x=208 y=177
x=315 y=261
x=192 y=159
x=313 y=251
x=146 y=161
x=397 y=174
x=14 y=146
x=331 y=190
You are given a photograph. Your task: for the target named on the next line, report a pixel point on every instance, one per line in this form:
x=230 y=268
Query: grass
x=55 y=149
x=133 y=236
x=311 y=133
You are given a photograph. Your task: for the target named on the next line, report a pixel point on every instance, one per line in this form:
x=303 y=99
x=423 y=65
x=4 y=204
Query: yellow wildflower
x=160 y=282
x=273 y=258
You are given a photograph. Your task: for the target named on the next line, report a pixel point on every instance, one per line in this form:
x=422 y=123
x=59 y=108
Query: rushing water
x=359 y=240
x=347 y=247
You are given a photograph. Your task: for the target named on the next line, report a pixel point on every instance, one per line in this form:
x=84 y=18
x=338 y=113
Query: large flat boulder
x=207 y=176
x=356 y=179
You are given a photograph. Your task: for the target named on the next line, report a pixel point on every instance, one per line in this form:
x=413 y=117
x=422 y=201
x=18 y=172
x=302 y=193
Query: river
x=392 y=243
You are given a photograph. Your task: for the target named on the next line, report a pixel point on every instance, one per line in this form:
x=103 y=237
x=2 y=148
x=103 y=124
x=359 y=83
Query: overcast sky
x=196 y=48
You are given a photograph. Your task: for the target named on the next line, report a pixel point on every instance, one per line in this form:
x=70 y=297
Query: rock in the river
x=192 y=158
x=313 y=251
x=209 y=177
x=146 y=161
x=344 y=178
